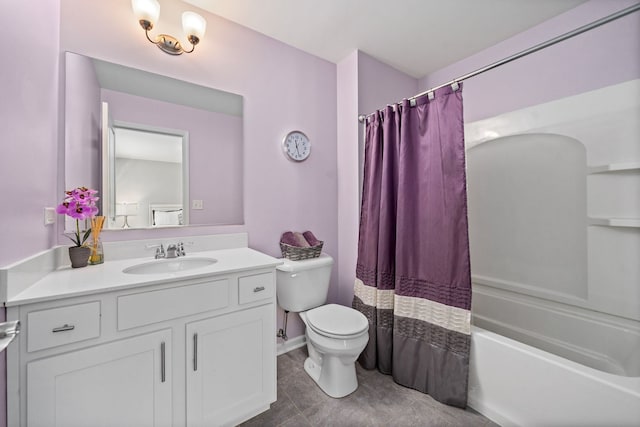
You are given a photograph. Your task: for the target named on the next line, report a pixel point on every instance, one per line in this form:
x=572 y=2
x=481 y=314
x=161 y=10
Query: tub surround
x=194 y=347
x=580 y=300
x=574 y=295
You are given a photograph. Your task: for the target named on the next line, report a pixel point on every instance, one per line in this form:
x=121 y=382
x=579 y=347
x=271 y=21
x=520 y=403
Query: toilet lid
x=337 y=320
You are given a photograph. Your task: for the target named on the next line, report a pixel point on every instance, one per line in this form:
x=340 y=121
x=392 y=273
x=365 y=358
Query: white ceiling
x=414 y=36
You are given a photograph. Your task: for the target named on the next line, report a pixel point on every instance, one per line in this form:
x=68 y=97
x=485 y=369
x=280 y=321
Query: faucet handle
x=181 y=251
x=160 y=252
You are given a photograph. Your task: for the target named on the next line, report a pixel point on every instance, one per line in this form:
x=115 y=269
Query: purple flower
x=63 y=208
x=80 y=212
x=82 y=195
x=79 y=204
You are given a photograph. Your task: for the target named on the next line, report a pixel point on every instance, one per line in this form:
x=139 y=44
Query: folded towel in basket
x=289 y=239
x=302 y=242
x=294 y=239
x=309 y=237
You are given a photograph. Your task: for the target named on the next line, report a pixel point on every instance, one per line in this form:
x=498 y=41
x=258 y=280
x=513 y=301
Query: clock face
x=296 y=146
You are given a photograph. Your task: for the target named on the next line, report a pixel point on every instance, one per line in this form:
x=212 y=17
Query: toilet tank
x=303 y=285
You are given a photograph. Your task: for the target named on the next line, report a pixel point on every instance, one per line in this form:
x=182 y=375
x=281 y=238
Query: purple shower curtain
x=413 y=275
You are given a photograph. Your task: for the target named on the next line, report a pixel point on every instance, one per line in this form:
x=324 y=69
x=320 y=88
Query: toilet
x=336 y=335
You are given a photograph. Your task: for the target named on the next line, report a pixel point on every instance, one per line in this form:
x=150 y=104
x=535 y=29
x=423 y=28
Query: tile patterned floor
x=378 y=402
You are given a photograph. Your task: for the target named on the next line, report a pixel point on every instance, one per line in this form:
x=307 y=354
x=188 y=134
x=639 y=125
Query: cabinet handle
x=63 y=328
x=195 y=352
x=258 y=289
x=163 y=375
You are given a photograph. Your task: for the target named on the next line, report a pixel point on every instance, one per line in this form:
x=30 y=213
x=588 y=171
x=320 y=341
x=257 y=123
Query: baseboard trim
x=291 y=344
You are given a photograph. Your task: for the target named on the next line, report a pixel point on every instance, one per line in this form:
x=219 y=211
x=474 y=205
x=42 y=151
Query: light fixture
x=193 y=25
x=126 y=209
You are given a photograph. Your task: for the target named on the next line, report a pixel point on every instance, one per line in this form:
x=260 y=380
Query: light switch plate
x=49 y=216
x=197 y=204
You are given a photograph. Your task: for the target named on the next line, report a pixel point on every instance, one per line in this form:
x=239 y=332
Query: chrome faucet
x=174 y=250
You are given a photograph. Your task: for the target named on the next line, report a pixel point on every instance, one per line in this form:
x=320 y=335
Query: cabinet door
x=123 y=383
x=230 y=366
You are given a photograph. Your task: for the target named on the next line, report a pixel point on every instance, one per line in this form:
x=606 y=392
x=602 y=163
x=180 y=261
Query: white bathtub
x=601 y=341
x=515 y=384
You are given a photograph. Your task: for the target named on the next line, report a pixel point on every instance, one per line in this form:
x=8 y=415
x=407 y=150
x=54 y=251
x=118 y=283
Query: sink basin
x=174 y=265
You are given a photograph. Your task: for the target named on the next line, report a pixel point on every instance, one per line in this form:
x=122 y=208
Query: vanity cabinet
x=125 y=382
x=229 y=367
x=194 y=352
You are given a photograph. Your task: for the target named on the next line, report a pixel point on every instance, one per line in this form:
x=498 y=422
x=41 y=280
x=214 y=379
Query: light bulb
x=146 y=10
x=193 y=25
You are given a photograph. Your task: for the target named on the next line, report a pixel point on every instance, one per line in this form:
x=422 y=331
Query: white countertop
x=71 y=282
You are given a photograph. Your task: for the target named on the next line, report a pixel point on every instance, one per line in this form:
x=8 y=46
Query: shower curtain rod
x=526 y=52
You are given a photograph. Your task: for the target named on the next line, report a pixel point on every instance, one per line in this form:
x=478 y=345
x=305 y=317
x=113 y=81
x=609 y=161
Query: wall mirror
x=162 y=152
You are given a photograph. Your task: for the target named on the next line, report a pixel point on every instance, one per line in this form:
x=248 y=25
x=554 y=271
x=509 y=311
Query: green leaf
x=86 y=236
x=73 y=239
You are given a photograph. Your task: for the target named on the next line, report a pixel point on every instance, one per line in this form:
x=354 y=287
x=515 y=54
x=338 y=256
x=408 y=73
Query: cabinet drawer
x=145 y=308
x=63 y=325
x=255 y=288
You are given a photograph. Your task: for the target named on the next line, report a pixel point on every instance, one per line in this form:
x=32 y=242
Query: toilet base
x=334 y=378
x=312 y=369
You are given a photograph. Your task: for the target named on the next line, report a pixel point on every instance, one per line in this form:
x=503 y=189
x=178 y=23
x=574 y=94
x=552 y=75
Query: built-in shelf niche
x=614 y=167
x=615 y=222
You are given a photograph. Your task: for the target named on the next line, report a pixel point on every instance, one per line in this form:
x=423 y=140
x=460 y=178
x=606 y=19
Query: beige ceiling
x=414 y=36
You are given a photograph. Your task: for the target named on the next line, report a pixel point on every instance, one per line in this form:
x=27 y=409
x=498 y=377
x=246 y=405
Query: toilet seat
x=337 y=321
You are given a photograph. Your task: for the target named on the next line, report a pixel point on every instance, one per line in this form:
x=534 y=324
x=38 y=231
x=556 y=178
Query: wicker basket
x=296 y=253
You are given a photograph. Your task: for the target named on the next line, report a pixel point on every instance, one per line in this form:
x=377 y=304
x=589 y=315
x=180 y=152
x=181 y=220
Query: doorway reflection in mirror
x=150 y=167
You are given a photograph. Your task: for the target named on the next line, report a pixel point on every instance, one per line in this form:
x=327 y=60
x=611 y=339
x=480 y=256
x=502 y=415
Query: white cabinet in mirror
x=152 y=145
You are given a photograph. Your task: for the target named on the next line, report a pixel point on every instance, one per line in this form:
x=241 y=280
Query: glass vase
x=97 y=252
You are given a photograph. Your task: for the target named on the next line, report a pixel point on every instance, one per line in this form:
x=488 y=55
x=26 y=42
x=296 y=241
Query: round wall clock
x=296 y=146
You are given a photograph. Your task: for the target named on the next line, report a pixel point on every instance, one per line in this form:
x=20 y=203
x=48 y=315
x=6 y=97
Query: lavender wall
x=380 y=84
x=215 y=151
x=348 y=152
x=364 y=84
x=82 y=124
x=29 y=135
x=29 y=127
x=606 y=55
